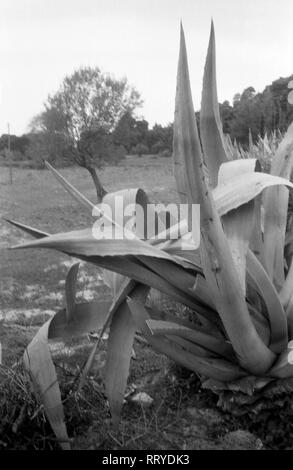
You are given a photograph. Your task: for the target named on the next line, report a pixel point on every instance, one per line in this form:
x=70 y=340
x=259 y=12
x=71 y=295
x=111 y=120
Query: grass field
x=32 y=285
x=33 y=279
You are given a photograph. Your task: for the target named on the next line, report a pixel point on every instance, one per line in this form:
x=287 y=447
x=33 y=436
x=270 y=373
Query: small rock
x=143 y=399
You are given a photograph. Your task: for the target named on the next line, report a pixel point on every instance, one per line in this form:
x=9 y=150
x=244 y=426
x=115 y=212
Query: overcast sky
x=41 y=41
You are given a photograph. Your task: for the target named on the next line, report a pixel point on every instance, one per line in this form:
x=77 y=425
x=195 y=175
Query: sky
x=41 y=41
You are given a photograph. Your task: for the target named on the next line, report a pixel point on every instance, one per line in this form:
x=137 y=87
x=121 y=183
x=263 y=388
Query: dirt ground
x=181 y=415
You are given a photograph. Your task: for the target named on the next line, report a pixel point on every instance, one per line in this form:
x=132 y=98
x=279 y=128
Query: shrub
x=140 y=150
x=165 y=153
x=158 y=147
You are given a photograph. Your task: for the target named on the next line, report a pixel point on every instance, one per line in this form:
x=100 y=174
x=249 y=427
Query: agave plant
x=263 y=149
x=238 y=284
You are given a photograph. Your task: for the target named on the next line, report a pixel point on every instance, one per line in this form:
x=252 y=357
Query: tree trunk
x=99 y=188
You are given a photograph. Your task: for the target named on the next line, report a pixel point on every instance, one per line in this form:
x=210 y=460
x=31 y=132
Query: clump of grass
x=23 y=424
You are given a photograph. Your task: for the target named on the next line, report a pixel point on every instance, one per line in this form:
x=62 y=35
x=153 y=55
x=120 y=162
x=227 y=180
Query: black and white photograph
x=146 y=228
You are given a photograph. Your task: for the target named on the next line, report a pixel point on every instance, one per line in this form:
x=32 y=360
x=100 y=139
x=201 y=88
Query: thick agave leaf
x=285 y=293
x=39 y=364
x=182 y=279
x=194 y=299
x=287 y=300
x=218 y=369
x=88 y=316
x=217 y=260
x=120 y=344
x=283 y=367
x=222 y=348
x=167 y=286
x=178 y=241
x=135 y=269
x=256 y=240
x=83 y=245
x=132 y=267
x=289 y=312
x=276 y=206
x=276 y=313
x=238 y=223
x=289 y=238
x=180 y=246
x=261 y=323
x=125 y=287
x=27 y=229
x=85 y=317
x=238 y=226
x=191 y=347
x=230 y=170
x=79 y=197
x=244 y=188
x=205 y=327
x=274 y=233
x=70 y=290
x=83 y=242
x=210 y=122
x=75 y=320
x=185 y=136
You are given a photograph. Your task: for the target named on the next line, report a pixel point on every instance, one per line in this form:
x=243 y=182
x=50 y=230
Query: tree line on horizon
x=91 y=120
